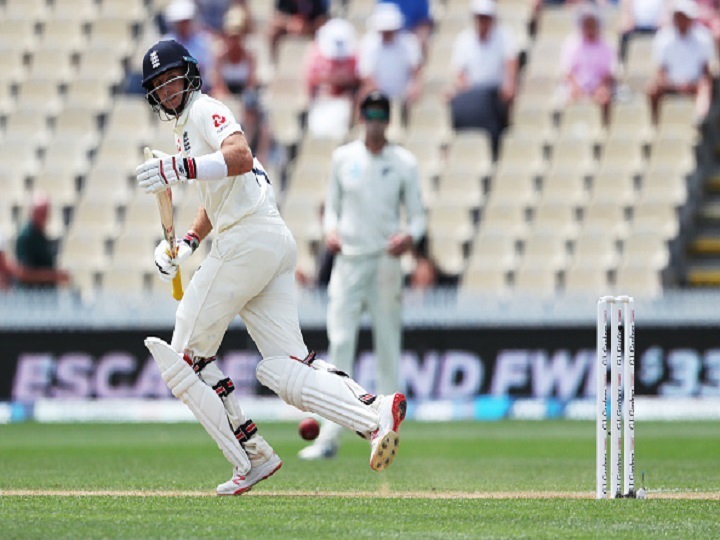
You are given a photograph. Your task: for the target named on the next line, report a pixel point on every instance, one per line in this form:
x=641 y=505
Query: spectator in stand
x=425 y=273
x=7 y=268
x=212 y=13
x=683 y=51
x=416 y=18
x=485 y=63
x=33 y=250
x=332 y=79
x=236 y=74
x=589 y=62
x=389 y=57
x=234 y=63
x=180 y=16
x=295 y=18
x=640 y=17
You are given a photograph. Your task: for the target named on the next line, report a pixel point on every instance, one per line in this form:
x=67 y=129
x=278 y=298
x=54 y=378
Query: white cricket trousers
x=357 y=283
x=250 y=271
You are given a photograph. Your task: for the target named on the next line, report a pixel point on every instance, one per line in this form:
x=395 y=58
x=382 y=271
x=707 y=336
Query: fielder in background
x=371 y=180
x=249 y=271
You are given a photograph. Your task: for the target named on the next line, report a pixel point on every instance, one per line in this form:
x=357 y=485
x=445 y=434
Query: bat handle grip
x=177 y=287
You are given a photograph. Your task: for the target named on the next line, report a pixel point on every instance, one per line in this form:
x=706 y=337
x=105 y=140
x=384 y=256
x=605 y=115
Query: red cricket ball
x=309 y=429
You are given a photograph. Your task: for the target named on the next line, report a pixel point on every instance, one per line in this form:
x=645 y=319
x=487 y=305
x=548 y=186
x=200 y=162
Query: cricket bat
x=164 y=199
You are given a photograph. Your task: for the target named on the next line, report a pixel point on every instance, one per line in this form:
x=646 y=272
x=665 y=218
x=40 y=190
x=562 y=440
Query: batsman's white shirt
x=201 y=129
x=364 y=202
x=250 y=269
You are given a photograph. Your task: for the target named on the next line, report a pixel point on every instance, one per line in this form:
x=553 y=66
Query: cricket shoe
x=385 y=439
x=319 y=450
x=264 y=463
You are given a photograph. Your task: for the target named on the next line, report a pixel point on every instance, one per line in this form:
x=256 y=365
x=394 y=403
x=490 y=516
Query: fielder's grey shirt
x=365 y=194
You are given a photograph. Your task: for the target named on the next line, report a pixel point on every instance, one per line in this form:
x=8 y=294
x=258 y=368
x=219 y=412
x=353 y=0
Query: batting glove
x=167 y=266
x=163 y=171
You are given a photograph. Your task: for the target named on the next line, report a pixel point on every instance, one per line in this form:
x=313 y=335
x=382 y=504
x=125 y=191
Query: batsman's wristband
x=207 y=167
x=192 y=239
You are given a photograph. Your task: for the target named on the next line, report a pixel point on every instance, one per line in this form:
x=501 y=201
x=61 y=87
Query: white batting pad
x=200 y=399
x=312 y=388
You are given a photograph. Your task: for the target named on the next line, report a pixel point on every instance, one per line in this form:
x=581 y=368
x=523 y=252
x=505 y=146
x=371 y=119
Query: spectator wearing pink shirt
x=589 y=62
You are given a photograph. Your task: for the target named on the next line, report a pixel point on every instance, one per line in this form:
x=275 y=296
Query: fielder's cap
x=336 y=39
x=483 y=7
x=386 y=18
x=686 y=7
x=180 y=10
x=376 y=101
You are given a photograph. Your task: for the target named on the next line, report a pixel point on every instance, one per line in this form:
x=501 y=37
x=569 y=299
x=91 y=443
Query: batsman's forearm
x=237 y=154
x=233 y=159
x=201 y=225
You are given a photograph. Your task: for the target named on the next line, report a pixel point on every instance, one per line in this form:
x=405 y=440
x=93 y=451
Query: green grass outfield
x=451 y=480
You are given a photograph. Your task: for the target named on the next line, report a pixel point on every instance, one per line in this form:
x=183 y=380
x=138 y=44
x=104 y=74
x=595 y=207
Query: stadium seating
x=570 y=204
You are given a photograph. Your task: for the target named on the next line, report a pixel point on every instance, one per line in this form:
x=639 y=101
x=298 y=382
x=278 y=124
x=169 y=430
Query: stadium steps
x=703 y=251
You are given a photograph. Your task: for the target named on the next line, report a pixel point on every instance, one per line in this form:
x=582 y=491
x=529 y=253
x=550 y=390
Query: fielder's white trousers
x=250 y=271
x=359 y=283
x=372 y=283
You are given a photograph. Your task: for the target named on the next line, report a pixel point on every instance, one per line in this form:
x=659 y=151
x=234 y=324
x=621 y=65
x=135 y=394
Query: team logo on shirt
x=186 y=141
x=218 y=120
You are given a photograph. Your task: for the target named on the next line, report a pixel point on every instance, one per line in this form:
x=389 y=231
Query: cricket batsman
x=249 y=271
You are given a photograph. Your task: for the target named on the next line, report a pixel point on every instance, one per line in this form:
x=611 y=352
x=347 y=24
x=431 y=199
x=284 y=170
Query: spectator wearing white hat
x=416 y=18
x=485 y=65
x=390 y=58
x=486 y=55
x=332 y=79
x=181 y=16
x=683 y=52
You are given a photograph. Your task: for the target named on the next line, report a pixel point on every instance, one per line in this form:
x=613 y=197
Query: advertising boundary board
x=437 y=364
